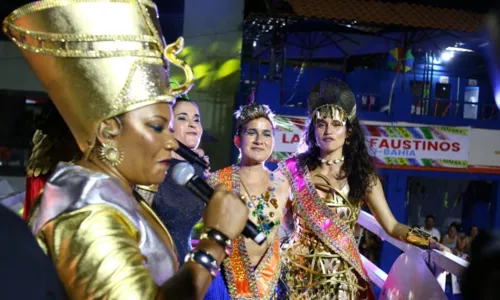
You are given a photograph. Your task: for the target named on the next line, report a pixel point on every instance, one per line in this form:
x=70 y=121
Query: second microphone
x=184 y=174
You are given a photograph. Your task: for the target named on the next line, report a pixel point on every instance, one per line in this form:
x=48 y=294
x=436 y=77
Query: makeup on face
x=257 y=140
x=147 y=144
x=187 y=126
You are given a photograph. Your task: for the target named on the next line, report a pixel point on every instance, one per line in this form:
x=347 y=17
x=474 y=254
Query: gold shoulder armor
x=96 y=254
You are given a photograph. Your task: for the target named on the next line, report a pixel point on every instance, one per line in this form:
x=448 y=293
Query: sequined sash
x=321 y=220
x=243 y=281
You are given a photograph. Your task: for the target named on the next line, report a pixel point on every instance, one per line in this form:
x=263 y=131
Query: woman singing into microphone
x=111 y=86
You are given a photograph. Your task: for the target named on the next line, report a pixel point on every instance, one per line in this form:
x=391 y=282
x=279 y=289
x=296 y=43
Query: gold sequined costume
x=322 y=255
x=321 y=258
x=98 y=59
x=314 y=271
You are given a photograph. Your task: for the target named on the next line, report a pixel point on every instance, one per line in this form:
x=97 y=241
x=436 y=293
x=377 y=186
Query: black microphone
x=191 y=156
x=184 y=174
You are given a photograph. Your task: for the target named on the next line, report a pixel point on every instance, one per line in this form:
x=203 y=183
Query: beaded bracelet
x=205 y=259
x=219 y=237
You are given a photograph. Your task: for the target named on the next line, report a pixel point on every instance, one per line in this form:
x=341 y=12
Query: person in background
x=467 y=241
x=430 y=229
x=482 y=278
x=148 y=193
x=52 y=143
x=178 y=208
x=107 y=74
x=370 y=245
x=25 y=271
x=452 y=240
x=358 y=233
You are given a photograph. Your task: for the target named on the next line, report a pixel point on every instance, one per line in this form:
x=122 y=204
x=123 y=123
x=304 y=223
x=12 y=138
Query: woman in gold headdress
x=330 y=182
x=102 y=64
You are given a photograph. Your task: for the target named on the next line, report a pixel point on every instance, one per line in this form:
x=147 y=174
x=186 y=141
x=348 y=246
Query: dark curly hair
x=51 y=123
x=358 y=166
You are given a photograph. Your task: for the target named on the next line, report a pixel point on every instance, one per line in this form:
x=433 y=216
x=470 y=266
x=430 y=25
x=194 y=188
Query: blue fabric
x=218 y=289
x=178 y=209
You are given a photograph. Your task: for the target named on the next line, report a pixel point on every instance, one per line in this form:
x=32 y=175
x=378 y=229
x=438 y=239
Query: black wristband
x=205 y=259
x=219 y=237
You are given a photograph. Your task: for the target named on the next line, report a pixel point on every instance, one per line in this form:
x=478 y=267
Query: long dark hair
x=358 y=166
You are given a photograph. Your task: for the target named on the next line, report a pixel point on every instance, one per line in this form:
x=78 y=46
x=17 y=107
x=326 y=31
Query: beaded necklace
x=258 y=204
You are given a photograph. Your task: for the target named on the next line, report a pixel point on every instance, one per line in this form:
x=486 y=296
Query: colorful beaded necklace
x=258 y=204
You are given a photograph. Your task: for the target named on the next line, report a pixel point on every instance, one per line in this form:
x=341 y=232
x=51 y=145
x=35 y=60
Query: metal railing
x=438 y=262
x=14 y=201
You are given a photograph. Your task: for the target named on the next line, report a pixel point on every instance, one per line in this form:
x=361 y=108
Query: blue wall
x=378 y=83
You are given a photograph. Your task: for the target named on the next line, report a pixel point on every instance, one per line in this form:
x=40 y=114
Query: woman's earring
x=110 y=154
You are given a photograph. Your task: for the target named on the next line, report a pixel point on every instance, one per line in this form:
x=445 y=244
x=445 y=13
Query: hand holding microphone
x=191 y=156
x=225 y=213
x=224 y=209
x=201 y=153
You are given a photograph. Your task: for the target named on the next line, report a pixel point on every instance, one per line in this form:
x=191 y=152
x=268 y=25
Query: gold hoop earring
x=110 y=154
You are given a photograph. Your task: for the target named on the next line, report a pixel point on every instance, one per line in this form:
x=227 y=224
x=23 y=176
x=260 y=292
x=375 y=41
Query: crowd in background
x=456 y=237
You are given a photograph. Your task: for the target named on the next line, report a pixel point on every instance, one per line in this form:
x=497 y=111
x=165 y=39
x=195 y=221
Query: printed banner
x=424 y=146
x=288 y=135
x=418 y=146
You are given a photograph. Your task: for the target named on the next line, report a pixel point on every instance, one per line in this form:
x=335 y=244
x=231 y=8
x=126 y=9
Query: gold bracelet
x=419 y=238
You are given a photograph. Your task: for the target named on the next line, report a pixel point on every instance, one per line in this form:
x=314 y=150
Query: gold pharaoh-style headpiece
x=97 y=58
x=332 y=98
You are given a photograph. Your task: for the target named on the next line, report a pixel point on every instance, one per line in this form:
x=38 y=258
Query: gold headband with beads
x=332 y=111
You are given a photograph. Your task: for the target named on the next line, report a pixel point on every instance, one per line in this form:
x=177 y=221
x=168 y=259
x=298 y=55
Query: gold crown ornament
x=253 y=111
x=332 y=98
x=97 y=58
